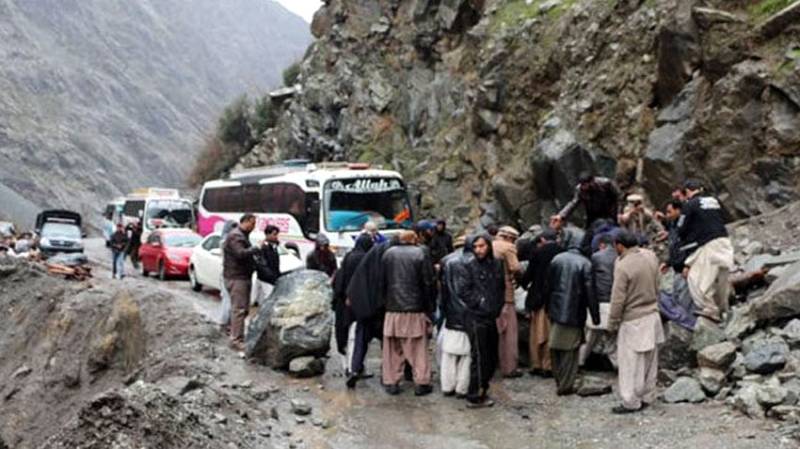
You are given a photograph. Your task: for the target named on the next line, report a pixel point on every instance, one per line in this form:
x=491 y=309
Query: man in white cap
x=505 y=249
x=638 y=219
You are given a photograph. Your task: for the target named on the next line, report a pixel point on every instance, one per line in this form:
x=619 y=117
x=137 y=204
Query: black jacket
x=316 y=260
x=441 y=245
x=481 y=287
x=701 y=221
x=268 y=264
x=570 y=290
x=677 y=256
x=535 y=277
x=452 y=307
x=237 y=256
x=603 y=273
x=601 y=200
x=119 y=240
x=349 y=265
x=366 y=289
x=409 y=280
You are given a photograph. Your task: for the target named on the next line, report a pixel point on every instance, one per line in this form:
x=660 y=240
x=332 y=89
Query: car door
x=215 y=263
x=204 y=262
x=149 y=251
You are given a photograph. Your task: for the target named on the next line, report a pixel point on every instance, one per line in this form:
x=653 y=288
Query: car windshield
x=169 y=214
x=350 y=203
x=182 y=240
x=61 y=231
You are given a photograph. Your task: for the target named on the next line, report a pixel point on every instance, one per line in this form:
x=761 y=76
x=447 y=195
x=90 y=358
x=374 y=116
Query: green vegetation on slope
x=765 y=8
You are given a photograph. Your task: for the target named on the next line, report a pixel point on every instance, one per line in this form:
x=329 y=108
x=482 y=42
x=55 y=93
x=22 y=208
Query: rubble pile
x=99 y=364
x=751 y=360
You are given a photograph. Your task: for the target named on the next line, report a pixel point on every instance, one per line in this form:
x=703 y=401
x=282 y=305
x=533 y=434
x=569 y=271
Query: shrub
x=234 y=124
x=291 y=74
x=265 y=116
x=214 y=160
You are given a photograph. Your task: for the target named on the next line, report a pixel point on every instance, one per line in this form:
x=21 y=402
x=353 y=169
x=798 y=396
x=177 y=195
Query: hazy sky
x=305 y=8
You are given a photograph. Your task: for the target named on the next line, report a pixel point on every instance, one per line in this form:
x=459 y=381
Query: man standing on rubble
x=704 y=237
x=634 y=316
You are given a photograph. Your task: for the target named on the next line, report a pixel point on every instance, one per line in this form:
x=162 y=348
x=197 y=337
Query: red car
x=167 y=252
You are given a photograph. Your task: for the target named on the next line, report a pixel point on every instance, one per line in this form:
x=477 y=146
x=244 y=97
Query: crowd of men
x=596 y=287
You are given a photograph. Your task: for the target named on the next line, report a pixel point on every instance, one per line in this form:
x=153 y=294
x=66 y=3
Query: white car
x=205 y=264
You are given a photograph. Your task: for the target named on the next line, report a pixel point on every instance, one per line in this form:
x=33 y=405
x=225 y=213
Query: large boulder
x=706 y=333
x=782 y=300
x=711 y=380
x=295 y=320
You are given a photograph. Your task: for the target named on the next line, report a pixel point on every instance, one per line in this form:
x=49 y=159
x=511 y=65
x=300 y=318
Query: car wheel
x=162 y=271
x=196 y=286
x=145 y=273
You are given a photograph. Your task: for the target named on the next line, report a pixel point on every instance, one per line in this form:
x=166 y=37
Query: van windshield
x=169 y=214
x=349 y=203
x=61 y=231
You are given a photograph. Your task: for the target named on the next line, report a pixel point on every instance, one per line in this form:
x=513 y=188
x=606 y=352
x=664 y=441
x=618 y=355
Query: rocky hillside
x=99 y=97
x=492 y=107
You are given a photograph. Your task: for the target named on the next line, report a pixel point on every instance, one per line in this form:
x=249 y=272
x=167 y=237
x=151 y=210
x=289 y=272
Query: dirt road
x=527 y=414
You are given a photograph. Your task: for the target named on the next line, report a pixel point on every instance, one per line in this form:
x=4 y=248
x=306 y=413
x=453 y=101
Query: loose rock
x=685 y=389
x=303 y=367
x=766 y=358
x=300 y=407
x=719 y=356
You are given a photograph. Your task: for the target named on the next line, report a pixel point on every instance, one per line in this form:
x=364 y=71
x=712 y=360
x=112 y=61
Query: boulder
x=791 y=333
x=782 y=299
x=295 y=320
x=711 y=380
x=785 y=413
x=746 y=401
x=303 y=367
x=674 y=353
x=719 y=356
x=685 y=389
x=766 y=358
x=770 y=395
x=706 y=333
x=300 y=407
x=741 y=322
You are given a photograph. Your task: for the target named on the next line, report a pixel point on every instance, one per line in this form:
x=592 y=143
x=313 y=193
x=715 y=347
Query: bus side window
x=312 y=213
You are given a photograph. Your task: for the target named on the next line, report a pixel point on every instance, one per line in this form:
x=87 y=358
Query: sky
x=304 y=8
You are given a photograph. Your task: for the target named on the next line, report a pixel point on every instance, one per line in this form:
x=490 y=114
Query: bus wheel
x=193 y=280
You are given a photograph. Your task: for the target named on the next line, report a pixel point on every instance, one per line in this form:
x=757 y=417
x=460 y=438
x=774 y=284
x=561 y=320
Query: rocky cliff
x=99 y=97
x=493 y=107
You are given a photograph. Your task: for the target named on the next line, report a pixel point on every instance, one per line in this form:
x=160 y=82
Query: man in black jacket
x=571 y=293
x=535 y=281
x=704 y=237
x=481 y=289
x=455 y=347
x=119 y=244
x=410 y=295
x=603 y=262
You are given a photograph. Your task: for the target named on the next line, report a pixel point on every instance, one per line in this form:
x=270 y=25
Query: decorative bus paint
x=156 y=208
x=303 y=199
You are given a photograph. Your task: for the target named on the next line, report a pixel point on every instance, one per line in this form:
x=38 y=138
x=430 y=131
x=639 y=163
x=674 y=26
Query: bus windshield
x=349 y=203
x=169 y=214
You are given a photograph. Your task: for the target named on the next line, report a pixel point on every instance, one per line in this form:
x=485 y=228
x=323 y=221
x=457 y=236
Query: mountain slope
x=99 y=97
x=493 y=107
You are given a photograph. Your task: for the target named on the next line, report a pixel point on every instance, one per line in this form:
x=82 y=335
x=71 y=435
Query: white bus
x=304 y=199
x=158 y=208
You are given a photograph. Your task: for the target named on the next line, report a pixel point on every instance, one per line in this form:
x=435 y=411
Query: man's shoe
x=448 y=394
x=351 y=381
x=622 y=410
x=392 y=390
x=486 y=403
x=423 y=390
x=536 y=372
x=460 y=396
x=569 y=392
x=516 y=374
x=547 y=374
x=365 y=376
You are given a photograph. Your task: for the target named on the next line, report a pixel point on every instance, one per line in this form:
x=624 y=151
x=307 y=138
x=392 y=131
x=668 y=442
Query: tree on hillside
x=291 y=74
x=265 y=116
x=234 y=124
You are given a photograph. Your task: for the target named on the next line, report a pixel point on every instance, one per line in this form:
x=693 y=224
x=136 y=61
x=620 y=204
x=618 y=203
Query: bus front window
x=349 y=203
x=169 y=214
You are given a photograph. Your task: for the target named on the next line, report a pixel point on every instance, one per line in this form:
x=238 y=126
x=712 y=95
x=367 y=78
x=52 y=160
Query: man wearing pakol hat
x=638 y=219
x=505 y=249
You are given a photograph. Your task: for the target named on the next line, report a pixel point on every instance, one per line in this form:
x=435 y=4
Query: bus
x=158 y=208
x=304 y=199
